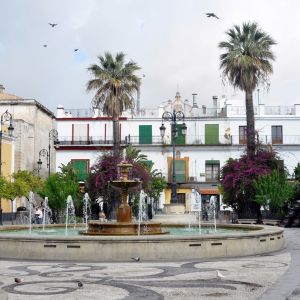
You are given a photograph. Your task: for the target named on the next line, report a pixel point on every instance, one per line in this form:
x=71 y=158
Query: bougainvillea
x=106 y=170
x=237 y=177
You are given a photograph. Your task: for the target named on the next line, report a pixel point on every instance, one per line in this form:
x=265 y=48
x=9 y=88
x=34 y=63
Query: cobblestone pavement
x=288 y=287
x=245 y=278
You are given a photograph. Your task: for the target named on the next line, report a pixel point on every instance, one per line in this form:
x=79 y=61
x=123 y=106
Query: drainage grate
x=49 y=246
x=263 y=240
x=73 y=246
x=278 y=237
x=271 y=239
x=194 y=245
x=216 y=244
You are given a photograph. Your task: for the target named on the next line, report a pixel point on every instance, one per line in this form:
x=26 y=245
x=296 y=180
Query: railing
x=79 y=113
x=189 y=140
x=279 y=110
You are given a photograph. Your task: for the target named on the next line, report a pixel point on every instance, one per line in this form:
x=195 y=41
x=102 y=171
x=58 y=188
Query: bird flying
x=211 y=15
x=52 y=24
x=136 y=259
x=18 y=280
x=219 y=275
x=76 y=50
x=44 y=46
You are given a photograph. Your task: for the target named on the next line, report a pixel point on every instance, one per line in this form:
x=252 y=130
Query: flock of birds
x=208 y=15
x=53 y=25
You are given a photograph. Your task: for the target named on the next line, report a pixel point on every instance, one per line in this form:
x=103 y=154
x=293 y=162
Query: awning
x=208 y=191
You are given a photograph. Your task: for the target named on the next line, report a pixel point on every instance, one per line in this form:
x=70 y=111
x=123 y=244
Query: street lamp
x=43 y=153
x=5 y=117
x=53 y=136
x=173 y=117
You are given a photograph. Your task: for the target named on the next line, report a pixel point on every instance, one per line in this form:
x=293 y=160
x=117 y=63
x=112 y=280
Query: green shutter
x=211 y=134
x=145 y=134
x=149 y=164
x=81 y=167
x=180 y=139
x=180 y=168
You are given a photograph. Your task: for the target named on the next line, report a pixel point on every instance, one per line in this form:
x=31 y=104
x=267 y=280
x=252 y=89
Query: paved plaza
x=270 y=276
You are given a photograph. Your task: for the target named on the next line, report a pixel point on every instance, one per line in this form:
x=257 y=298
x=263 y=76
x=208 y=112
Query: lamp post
x=53 y=136
x=173 y=117
x=43 y=153
x=5 y=117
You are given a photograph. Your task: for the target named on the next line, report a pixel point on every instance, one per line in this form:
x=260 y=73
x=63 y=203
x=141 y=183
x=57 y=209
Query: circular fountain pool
x=182 y=243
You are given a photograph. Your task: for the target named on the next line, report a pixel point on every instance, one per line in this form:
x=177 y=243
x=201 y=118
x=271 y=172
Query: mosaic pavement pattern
x=245 y=278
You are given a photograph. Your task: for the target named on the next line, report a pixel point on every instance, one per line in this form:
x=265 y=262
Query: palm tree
x=246 y=63
x=115 y=84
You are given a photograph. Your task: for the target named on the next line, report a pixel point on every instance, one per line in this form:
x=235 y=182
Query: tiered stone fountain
x=124 y=224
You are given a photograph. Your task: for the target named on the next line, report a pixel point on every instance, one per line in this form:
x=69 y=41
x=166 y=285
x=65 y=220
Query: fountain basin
x=122 y=228
x=261 y=239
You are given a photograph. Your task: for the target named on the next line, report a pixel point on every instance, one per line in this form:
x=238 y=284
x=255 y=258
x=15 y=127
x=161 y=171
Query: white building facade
x=214 y=134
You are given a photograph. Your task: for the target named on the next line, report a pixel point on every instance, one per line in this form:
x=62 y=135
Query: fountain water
x=86 y=209
x=212 y=204
x=70 y=213
x=47 y=213
x=31 y=202
x=124 y=224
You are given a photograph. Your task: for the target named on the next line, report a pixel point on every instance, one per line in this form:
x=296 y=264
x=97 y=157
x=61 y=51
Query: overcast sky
x=172 y=40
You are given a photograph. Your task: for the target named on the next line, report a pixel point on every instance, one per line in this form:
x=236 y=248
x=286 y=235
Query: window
x=180 y=170
x=180 y=199
x=212 y=170
x=82 y=167
x=211 y=134
x=277 y=134
x=180 y=138
x=80 y=133
x=145 y=134
x=243 y=135
x=148 y=163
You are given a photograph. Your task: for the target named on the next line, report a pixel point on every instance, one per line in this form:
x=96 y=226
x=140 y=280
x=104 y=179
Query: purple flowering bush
x=238 y=175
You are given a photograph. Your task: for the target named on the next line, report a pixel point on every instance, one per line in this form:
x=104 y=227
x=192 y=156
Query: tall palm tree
x=115 y=84
x=246 y=63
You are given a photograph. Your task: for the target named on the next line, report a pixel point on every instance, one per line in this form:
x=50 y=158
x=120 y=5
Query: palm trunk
x=116 y=136
x=250 y=124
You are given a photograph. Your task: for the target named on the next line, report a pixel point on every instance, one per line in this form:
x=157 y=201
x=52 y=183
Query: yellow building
x=7 y=164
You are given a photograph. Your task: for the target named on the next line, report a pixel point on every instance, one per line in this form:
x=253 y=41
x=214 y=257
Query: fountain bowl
x=122 y=228
x=101 y=248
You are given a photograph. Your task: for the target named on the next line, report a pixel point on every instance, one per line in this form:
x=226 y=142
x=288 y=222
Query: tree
x=115 y=83
x=22 y=183
x=246 y=63
x=272 y=191
x=58 y=187
x=237 y=180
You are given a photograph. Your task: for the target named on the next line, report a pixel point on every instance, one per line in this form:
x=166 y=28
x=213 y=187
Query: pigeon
x=45 y=46
x=76 y=50
x=18 y=280
x=80 y=284
x=211 y=15
x=136 y=259
x=52 y=24
x=219 y=275
x=144 y=75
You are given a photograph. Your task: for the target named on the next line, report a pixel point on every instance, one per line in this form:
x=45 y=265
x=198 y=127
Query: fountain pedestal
x=124 y=224
x=124 y=213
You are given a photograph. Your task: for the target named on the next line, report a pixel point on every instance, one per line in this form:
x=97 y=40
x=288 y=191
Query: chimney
x=215 y=101
x=1 y=88
x=195 y=100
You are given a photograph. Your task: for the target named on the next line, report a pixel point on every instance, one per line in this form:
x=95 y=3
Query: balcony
x=190 y=140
